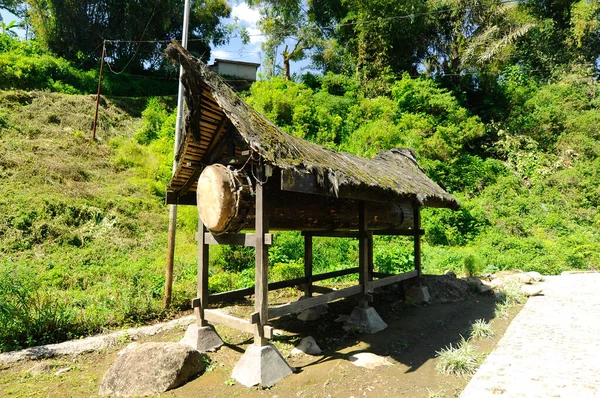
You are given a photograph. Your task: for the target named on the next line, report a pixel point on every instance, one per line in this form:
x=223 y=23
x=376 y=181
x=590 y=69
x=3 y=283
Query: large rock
x=151 y=368
x=307 y=345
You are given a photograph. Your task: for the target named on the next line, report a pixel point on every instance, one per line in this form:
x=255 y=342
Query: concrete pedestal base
x=202 y=338
x=367 y=320
x=261 y=365
x=418 y=294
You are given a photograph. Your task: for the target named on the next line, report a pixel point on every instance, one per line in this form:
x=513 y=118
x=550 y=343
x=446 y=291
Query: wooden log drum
x=226 y=205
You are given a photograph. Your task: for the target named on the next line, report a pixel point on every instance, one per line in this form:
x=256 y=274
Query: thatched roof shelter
x=220 y=125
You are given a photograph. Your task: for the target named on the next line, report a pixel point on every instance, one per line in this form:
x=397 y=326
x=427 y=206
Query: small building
x=245 y=174
x=235 y=69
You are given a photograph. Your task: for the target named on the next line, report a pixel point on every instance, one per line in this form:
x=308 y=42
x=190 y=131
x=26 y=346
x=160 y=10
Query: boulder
x=307 y=345
x=151 y=368
x=536 y=276
x=531 y=290
x=450 y=273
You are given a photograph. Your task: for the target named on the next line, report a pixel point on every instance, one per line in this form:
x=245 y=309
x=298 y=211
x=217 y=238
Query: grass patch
x=459 y=360
x=480 y=329
x=511 y=294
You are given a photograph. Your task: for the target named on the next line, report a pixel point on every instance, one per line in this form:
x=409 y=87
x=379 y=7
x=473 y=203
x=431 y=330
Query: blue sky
x=235 y=49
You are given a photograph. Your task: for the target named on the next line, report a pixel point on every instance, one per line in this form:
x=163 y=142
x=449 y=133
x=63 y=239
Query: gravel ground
x=552 y=347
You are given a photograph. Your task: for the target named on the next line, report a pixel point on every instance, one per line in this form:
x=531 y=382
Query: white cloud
x=220 y=54
x=245 y=14
x=255 y=35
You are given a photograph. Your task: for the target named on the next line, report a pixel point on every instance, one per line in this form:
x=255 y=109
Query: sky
x=235 y=49
x=252 y=52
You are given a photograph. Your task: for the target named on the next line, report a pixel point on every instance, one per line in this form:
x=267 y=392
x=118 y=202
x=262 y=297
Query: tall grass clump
x=480 y=329
x=30 y=316
x=459 y=360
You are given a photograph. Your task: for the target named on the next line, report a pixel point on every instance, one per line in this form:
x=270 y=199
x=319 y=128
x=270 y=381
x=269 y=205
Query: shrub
x=460 y=360
x=471 y=265
x=480 y=329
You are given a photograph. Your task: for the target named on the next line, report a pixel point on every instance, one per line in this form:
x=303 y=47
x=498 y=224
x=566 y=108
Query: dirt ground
x=414 y=335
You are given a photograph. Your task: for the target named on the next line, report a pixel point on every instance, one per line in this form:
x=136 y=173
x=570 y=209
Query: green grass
x=480 y=329
x=461 y=359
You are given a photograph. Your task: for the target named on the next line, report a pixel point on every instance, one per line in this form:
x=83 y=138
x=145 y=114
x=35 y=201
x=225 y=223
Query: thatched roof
x=393 y=174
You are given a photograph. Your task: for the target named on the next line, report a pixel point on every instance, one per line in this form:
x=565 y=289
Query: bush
x=460 y=360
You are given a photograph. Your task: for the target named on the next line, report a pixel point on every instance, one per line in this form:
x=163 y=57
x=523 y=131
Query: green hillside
x=83 y=225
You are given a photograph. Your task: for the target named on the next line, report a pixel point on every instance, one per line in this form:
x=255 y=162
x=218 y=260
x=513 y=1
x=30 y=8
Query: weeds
x=512 y=294
x=501 y=310
x=459 y=360
x=481 y=329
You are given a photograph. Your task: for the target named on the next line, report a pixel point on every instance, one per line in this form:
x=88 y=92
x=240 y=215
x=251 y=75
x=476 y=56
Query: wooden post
x=261 y=286
x=417 y=232
x=178 y=127
x=370 y=254
x=170 y=256
x=202 y=288
x=363 y=254
x=308 y=264
x=99 y=89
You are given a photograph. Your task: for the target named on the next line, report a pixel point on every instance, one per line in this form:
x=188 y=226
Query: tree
x=75 y=28
x=283 y=21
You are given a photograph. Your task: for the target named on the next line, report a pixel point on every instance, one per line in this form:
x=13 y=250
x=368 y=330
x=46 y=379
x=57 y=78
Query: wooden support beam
x=299 y=306
x=296 y=181
x=261 y=279
x=417 y=243
x=236 y=239
x=216 y=316
x=391 y=279
x=354 y=234
x=308 y=265
x=236 y=294
x=322 y=289
x=370 y=264
x=363 y=254
x=202 y=283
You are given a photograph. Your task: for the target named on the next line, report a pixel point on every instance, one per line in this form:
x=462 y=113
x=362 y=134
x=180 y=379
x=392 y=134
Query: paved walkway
x=551 y=348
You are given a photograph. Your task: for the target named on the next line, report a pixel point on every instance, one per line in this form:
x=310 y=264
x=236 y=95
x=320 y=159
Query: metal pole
x=99 y=88
x=178 y=128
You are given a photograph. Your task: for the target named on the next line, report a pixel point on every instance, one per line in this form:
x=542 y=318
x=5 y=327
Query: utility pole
x=99 y=88
x=178 y=129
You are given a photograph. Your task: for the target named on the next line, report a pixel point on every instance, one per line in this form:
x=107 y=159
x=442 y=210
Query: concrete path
x=551 y=348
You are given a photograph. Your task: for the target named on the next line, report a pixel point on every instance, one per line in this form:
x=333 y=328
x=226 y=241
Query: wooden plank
x=299 y=306
x=391 y=279
x=239 y=293
x=397 y=232
x=216 y=316
x=322 y=289
x=261 y=278
x=331 y=234
x=236 y=239
x=295 y=181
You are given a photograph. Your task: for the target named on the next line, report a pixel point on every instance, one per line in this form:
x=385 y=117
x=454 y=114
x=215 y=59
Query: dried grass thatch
x=394 y=173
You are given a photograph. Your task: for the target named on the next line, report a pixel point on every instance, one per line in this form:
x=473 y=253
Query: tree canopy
x=75 y=29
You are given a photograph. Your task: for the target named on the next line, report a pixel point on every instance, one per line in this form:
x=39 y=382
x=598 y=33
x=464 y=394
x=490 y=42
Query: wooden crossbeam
x=235 y=239
x=391 y=279
x=299 y=306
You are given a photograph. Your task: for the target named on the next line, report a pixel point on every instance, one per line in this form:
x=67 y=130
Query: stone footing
x=202 y=338
x=261 y=365
x=367 y=320
x=418 y=294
